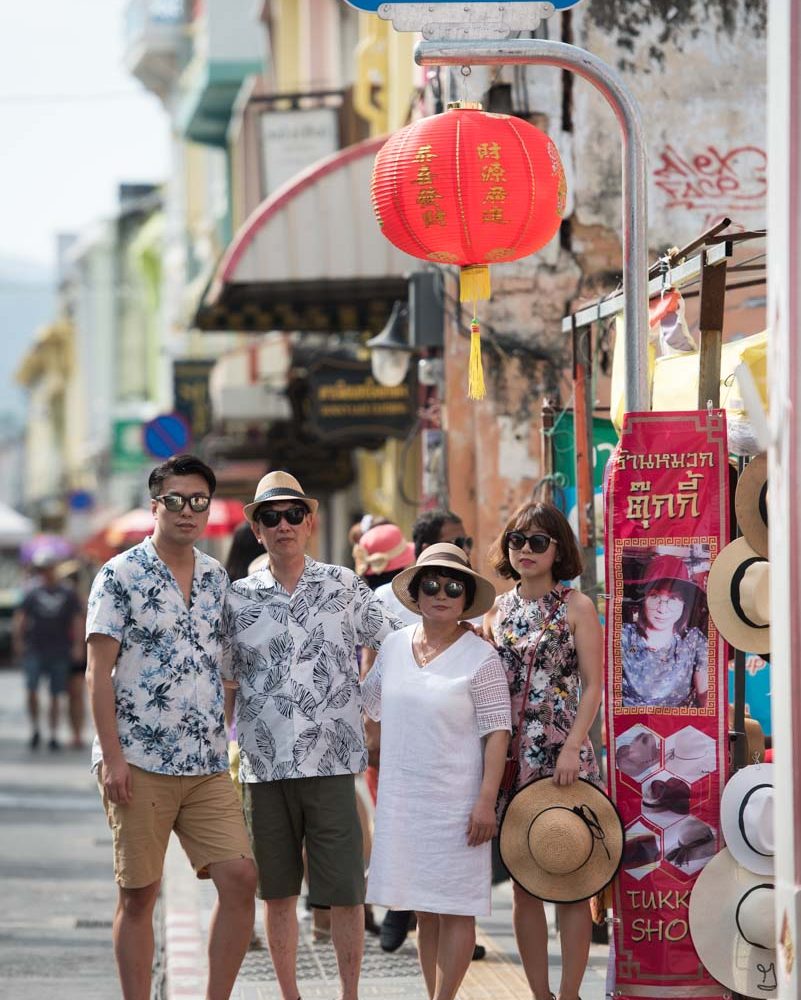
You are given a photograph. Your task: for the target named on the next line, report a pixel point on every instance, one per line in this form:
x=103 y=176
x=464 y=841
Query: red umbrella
x=128 y=529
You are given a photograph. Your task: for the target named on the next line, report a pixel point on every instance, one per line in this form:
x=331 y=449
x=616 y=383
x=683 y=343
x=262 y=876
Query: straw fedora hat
x=695 y=841
x=751 y=504
x=278 y=486
x=732 y=925
x=738 y=593
x=561 y=843
x=445 y=556
x=746 y=817
x=382 y=549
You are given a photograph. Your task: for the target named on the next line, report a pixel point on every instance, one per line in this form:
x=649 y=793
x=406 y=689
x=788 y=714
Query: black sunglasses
x=539 y=542
x=271 y=518
x=452 y=588
x=465 y=542
x=175 y=502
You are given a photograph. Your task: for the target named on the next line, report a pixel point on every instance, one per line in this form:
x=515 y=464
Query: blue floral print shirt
x=168 y=675
x=299 y=706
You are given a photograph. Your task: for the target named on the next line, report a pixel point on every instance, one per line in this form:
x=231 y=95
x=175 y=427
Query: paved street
x=55 y=926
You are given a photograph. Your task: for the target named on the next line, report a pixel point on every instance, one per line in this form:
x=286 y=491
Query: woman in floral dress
x=559 y=627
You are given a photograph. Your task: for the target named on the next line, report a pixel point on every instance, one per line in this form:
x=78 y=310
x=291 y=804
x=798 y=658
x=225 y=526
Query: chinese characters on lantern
x=427 y=195
x=493 y=175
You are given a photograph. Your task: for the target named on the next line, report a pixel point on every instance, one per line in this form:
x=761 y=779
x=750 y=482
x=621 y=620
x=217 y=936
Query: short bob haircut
x=451 y=574
x=538 y=516
x=688 y=599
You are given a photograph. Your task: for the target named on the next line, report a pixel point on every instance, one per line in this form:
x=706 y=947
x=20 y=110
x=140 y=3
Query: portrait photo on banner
x=664 y=628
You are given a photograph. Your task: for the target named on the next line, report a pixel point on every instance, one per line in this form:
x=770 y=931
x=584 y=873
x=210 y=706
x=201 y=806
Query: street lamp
x=390 y=350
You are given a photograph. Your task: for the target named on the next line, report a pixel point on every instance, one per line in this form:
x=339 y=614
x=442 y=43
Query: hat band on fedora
x=762 y=502
x=736 y=579
x=741 y=819
x=745 y=895
x=444 y=557
x=284 y=492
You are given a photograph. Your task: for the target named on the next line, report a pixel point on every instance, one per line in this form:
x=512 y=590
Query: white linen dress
x=432 y=719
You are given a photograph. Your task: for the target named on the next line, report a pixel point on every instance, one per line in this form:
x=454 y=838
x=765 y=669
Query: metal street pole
x=544 y=52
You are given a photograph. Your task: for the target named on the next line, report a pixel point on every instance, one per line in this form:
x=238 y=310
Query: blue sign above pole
x=165 y=435
x=373 y=5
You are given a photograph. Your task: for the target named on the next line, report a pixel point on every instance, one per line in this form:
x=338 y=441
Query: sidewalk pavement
x=188 y=903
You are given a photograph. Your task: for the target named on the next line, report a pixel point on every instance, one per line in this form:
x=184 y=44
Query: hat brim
x=482 y=602
x=280 y=493
x=725 y=954
x=599 y=869
x=735 y=790
x=736 y=631
x=750 y=504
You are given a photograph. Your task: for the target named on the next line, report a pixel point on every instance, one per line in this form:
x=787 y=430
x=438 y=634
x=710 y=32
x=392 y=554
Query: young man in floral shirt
x=298 y=711
x=155 y=665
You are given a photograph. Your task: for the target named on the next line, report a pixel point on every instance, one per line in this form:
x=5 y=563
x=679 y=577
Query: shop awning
x=311 y=257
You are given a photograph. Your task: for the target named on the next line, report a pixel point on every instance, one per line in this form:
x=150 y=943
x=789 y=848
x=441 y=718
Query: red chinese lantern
x=472 y=188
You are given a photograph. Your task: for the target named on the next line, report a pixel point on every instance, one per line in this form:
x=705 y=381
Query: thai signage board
x=667 y=512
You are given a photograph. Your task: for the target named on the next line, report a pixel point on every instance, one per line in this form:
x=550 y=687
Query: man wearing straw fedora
x=296 y=624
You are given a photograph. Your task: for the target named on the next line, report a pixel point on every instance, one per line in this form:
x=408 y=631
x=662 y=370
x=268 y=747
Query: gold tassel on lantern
x=475 y=377
x=474 y=283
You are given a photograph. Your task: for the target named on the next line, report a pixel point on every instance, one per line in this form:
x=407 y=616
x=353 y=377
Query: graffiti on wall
x=714 y=183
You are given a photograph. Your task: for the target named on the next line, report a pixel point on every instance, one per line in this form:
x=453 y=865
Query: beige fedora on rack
x=738 y=594
x=443 y=555
x=746 y=817
x=751 y=504
x=732 y=925
x=561 y=843
x=278 y=486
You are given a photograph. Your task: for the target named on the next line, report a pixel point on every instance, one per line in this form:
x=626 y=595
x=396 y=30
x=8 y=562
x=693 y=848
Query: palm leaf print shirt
x=168 y=675
x=299 y=707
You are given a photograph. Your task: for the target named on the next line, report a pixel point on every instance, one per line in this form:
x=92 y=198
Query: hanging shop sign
x=346 y=403
x=291 y=140
x=374 y=6
x=190 y=379
x=667 y=511
x=449 y=19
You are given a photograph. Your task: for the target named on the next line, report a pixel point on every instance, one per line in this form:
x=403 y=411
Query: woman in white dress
x=442 y=698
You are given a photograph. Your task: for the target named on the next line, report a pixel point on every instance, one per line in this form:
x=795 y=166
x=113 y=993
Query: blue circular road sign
x=165 y=435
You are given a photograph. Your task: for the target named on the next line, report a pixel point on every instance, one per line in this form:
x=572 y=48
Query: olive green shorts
x=318 y=813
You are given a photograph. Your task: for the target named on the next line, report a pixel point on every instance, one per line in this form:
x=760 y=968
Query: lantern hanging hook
x=465 y=71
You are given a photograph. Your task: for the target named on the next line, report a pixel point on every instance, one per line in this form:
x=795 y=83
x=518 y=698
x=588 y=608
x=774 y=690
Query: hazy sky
x=74 y=123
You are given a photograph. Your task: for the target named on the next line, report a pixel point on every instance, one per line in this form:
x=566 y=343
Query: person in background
x=245 y=547
x=441 y=694
x=47 y=635
x=550 y=641
x=296 y=627
x=157 y=647
x=73 y=573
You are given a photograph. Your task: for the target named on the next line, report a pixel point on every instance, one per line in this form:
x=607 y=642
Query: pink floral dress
x=555 y=682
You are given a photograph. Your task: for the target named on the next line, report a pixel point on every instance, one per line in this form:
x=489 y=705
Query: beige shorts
x=204 y=811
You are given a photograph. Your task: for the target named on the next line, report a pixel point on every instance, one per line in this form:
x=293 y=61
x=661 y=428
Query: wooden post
x=713 y=300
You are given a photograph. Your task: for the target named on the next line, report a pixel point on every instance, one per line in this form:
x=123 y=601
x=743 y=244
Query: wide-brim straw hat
x=746 y=817
x=444 y=555
x=751 y=504
x=561 y=843
x=738 y=595
x=278 y=486
x=732 y=925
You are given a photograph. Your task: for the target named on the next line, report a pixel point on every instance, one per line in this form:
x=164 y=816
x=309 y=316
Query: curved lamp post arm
x=544 y=52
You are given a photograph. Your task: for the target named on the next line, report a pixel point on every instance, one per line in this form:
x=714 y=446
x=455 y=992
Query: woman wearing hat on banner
x=550 y=642
x=441 y=696
x=664 y=657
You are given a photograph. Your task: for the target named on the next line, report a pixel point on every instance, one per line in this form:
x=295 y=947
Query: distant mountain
x=27 y=300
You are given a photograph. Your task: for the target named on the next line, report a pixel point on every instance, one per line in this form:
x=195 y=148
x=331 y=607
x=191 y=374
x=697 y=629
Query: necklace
x=425 y=657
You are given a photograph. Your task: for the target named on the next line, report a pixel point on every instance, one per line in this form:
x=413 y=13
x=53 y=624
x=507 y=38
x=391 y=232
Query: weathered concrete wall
x=698 y=71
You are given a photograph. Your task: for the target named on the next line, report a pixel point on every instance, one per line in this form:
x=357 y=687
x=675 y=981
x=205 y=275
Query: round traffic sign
x=165 y=435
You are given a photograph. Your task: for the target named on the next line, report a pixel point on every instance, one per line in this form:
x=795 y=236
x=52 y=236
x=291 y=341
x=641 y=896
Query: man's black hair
x=428 y=527
x=180 y=465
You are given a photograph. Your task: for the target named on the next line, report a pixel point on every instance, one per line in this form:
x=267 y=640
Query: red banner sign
x=667 y=513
